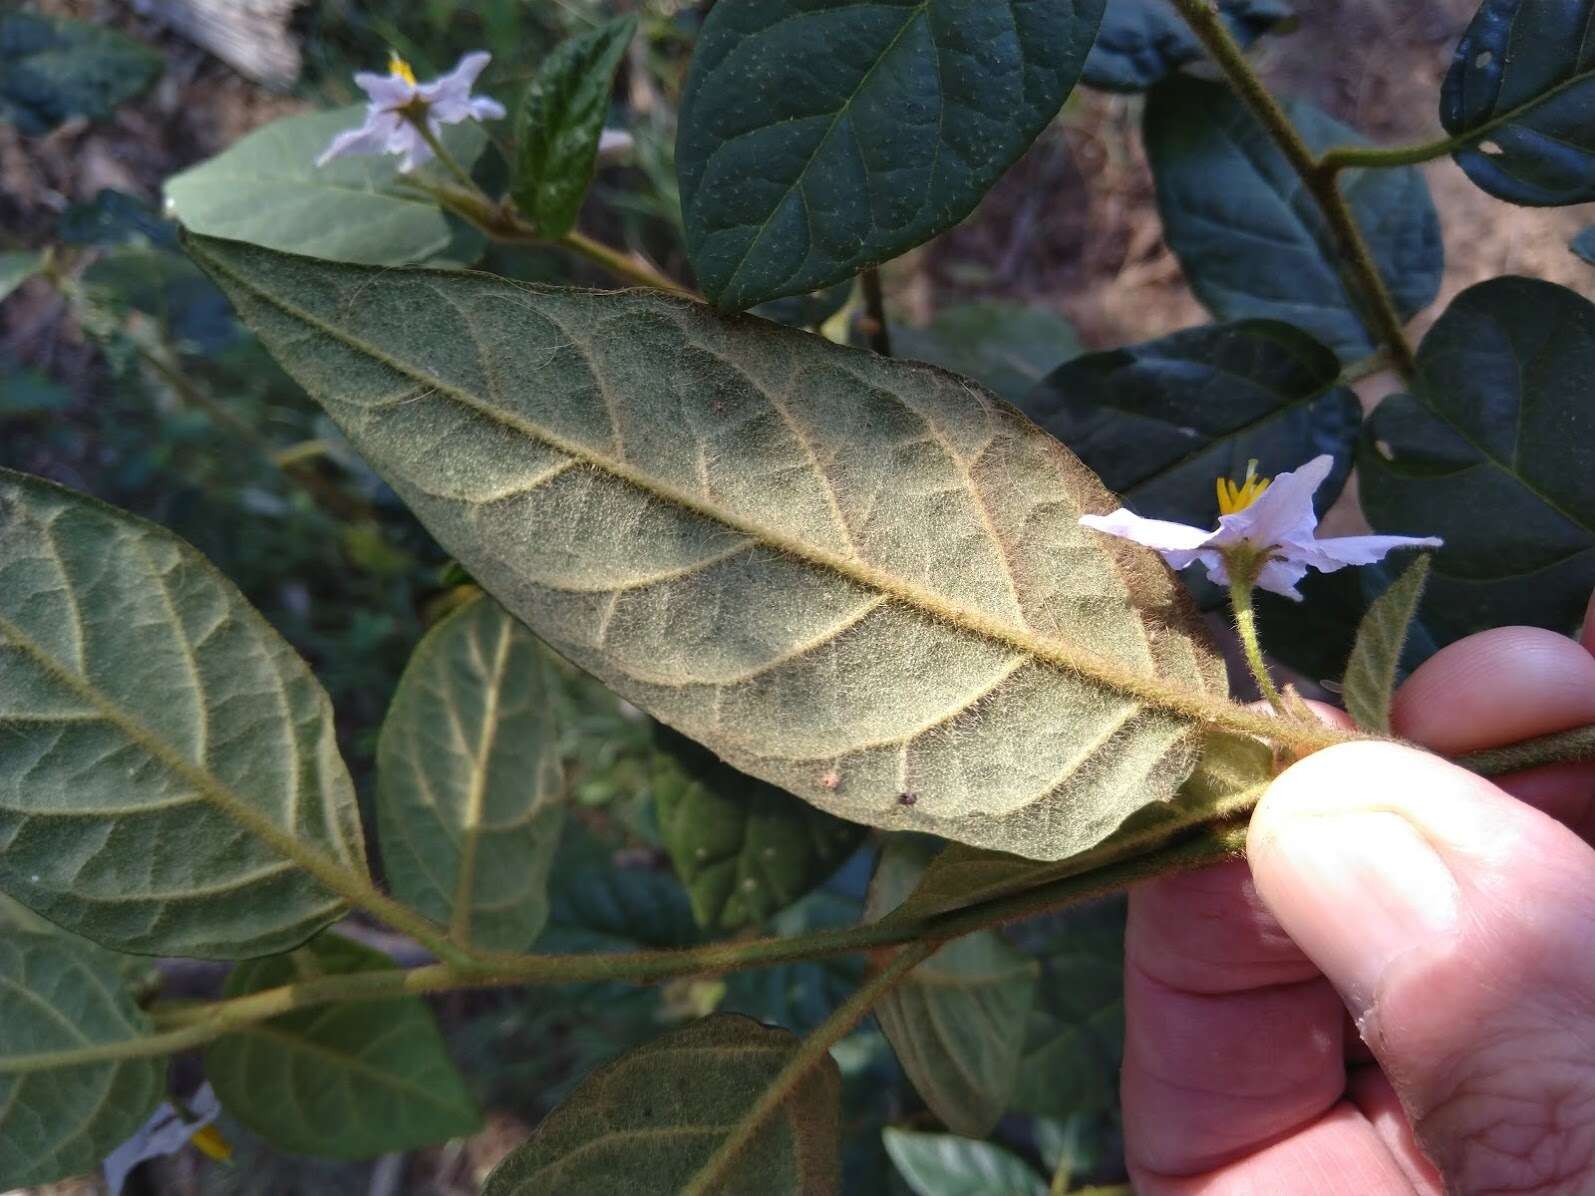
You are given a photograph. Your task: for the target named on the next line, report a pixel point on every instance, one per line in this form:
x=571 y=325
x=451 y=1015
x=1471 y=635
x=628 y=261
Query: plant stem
x=1321 y=184
x=1241 y=585
x=875 y=326
x=1346 y=157
x=419 y=122
x=1561 y=747
x=810 y=1055
x=623 y=265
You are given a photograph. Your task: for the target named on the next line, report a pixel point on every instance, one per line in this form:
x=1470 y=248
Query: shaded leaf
x=169 y=774
x=1141 y=41
x=947 y=1165
x=1492 y=452
x=115 y=218
x=1375 y=663
x=1160 y=421
x=647 y=1122
x=266 y=188
x=470 y=791
x=799 y=995
x=1315 y=636
x=16 y=268
x=1522 y=84
x=185 y=305
x=560 y=121
x=957 y=1022
x=342 y=1081
x=820 y=138
x=760 y=538
x=807 y=311
x=59 y=1119
x=611 y=908
x=1008 y=347
x=1251 y=239
x=52 y=70
x=743 y=849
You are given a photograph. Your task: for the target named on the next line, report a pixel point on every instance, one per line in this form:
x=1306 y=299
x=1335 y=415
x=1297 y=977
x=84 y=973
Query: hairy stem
x=622 y=265
x=810 y=1055
x=419 y=121
x=1347 y=157
x=874 y=323
x=1561 y=747
x=1321 y=184
x=1242 y=582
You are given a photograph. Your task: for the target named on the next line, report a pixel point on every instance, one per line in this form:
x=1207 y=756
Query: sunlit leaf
x=342 y=1081
x=52 y=70
x=59 y=1118
x=947 y=1165
x=1522 y=83
x=266 y=188
x=168 y=769
x=858 y=578
x=1252 y=240
x=645 y=1123
x=1375 y=663
x=1492 y=452
x=820 y=138
x=560 y=121
x=1141 y=41
x=470 y=792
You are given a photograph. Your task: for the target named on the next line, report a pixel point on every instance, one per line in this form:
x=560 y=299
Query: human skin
x=1395 y=993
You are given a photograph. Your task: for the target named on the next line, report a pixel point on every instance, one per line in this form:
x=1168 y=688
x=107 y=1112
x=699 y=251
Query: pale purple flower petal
x=450 y=95
x=385 y=91
x=407 y=142
x=1281 y=514
x=447 y=100
x=164 y=1133
x=1160 y=534
x=612 y=143
x=1280 y=575
x=485 y=108
x=372 y=137
x=1337 y=552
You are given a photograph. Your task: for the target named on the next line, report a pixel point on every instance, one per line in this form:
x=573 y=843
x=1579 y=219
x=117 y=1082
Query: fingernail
x=1364 y=888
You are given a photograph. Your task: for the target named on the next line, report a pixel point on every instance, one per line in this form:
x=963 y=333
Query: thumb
x=1457 y=925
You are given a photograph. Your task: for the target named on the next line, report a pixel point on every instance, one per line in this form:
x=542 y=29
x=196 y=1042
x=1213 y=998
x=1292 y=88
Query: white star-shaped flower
x=446 y=100
x=1274 y=521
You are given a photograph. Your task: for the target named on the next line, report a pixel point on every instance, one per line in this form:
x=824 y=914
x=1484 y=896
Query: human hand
x=1453 y=917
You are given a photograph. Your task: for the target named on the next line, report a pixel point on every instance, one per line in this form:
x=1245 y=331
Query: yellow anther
x=1233 y=498
x=209 y=1142
x=400 y=69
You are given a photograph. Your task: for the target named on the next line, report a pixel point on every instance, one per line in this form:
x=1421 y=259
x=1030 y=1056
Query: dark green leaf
x=1141 y=41
x=1584 y=245
x=25 y=391
x=1375 y=663
x=470 y=792
x=342 y=1081
x=560 y=121
x=807 y=311
x=743 y=848
x=1007 y=346
x=1250 y=237
x=645 y=1123
x=52 y=70
x=115 y=218
x=1493 y=452
x=957 y=1022
x=16 y=268
x=59 y=1118
x=818 y=138
x=799 y=995
x=1160 y=421
x=946 y=1165
x=617 y=909
x=1522 y=89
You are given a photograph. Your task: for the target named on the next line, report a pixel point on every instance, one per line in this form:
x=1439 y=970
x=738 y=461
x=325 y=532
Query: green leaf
x=52 y=70
x=266 y=188
x=947 y=1165
x=800 y=995
x=761 y=538
x=818 y=138
x=342 y=1081
x=807 y=311
x=186 y=307
x=957 y=1022
x=58 y=1117
x=470 y=792
x=1521 y=88
x=617 y=909
x=645 y=1123
x=1141 y=41
x=1252 y=241
x=1375 y=663
x=1492 y=452
x=560 y=121
x=1008 y=347
x=1315 y=636
x=169 y=776
x=1160 y=421
x=16 y=268
x=744 y=849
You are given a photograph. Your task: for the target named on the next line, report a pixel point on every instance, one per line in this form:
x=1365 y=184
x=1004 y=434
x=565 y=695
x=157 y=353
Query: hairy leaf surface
x=57 y=1118
x=266 y=188
x=1493 y=452
x=957 y=1022
x=342 y=1081
x=1375 y=662
x=743 y=848
x=861 y=579
x=470 y=789
x=1251 y=239
x=168 y=766
x=1523 y=83
x=647 y=1122
x=822 y=136
x=560 y=121
x=1141 y=41
x=1159 y=421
